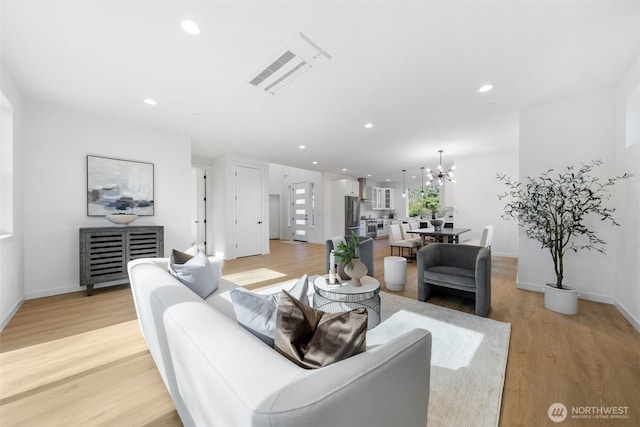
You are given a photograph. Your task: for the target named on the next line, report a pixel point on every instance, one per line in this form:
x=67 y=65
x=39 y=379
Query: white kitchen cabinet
x=349 y=187
x=388 y=198
x=376 y=198
x=382 y=198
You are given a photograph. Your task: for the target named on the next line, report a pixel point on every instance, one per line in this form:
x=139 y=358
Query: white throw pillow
x=198 y=274
x=258 y=313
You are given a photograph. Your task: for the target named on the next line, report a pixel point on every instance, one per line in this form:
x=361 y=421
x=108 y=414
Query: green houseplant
x=348 y=254
x=553 y=211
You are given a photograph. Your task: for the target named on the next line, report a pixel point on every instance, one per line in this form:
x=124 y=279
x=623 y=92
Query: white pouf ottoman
x=395 y=272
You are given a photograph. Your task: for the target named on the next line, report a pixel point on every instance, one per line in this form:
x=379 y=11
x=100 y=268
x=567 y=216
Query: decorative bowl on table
x=437 y=224
x=122 y=218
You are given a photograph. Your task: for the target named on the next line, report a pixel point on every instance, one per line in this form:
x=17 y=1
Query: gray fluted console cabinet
x=105 y=251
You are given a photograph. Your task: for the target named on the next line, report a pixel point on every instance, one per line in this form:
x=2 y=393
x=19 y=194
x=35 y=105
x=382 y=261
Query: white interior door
x=249 y=221
x=300 y=211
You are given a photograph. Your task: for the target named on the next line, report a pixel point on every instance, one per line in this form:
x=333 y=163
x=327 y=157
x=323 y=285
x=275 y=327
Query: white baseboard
x=68 y=289
x=529 y=286
x=12 y=312
x=596 y=297
x=582 y=295
x=627 y=315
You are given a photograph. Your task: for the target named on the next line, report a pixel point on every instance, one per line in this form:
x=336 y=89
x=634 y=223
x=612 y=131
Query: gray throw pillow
x=257 y=313
x=198 y=274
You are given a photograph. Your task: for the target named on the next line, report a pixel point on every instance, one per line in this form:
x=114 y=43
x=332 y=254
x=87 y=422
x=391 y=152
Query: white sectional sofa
x=219 y=374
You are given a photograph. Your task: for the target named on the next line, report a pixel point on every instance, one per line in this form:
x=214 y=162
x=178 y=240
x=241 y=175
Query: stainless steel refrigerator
x=351 y=215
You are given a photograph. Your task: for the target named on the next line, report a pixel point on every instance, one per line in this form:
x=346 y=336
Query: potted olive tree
x=553 y=210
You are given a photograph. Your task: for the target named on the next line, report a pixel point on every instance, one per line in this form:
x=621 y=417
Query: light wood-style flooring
x=73 y=360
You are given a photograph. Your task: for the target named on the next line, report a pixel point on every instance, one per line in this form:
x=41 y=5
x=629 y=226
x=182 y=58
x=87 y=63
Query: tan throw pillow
x=180 y=257
x=313 y=339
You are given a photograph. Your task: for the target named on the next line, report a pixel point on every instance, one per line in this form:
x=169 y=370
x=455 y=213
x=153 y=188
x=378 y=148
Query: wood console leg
x=89 y=290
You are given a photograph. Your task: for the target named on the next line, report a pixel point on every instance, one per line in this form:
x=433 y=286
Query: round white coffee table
x=338 y=298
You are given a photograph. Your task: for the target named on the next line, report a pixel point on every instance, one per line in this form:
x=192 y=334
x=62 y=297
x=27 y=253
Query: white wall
x=12 y=246
x=280 y=178
x=333 y=212
x=56 y=143
x=572 y=131
x=627 y=197
x=475 y=199
x=223 y=212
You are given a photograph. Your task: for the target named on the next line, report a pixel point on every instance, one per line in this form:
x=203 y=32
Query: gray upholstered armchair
x=462 y=270
x=366 y=253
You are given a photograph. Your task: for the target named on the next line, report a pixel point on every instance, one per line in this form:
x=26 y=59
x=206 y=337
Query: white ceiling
x=410 y=68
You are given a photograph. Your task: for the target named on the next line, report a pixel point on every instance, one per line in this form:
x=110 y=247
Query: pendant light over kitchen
x=404 y=187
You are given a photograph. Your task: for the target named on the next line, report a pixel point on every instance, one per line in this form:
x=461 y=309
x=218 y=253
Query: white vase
x=563 y=300
x=357 y=272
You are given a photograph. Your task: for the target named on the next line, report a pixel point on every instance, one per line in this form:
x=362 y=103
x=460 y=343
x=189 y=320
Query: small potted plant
x=553 y=211
x=348 y=254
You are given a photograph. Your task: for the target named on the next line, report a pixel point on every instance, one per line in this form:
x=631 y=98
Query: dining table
x=443 y=235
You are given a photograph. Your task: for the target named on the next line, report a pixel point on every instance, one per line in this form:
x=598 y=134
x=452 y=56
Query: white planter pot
x=563 y=300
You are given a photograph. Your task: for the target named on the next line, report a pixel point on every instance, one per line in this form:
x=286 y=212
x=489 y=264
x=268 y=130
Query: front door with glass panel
x=300 y=211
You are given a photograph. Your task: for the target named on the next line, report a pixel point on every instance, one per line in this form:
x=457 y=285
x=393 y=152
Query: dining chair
x=396 y=241
x=409 y=236
x=485 y=240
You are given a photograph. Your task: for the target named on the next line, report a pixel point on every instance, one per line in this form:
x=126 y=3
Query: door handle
x=259 y=222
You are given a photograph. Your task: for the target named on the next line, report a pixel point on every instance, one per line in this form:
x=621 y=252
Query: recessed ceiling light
x=388 y=180
x=414 y=177
x=369 y=175
x=302 y=147
x=485 y=88
x=368 y=125
x=190 y=27
x=344 y=169
x=314 y=162
x=150 y=101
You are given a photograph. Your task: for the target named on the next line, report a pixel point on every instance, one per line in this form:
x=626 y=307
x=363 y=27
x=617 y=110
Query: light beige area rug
x=468 y=359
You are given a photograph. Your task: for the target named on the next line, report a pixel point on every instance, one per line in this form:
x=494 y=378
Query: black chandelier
x=440 y=174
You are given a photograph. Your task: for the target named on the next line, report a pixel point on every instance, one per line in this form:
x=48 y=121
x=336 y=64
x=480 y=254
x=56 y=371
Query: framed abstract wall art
x=115 y=185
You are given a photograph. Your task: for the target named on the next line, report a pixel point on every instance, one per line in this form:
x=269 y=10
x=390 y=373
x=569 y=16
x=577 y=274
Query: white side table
x=395 y=272
x=335 y=299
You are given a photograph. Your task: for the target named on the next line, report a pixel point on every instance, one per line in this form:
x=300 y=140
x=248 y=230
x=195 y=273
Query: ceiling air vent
x=299 y=56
